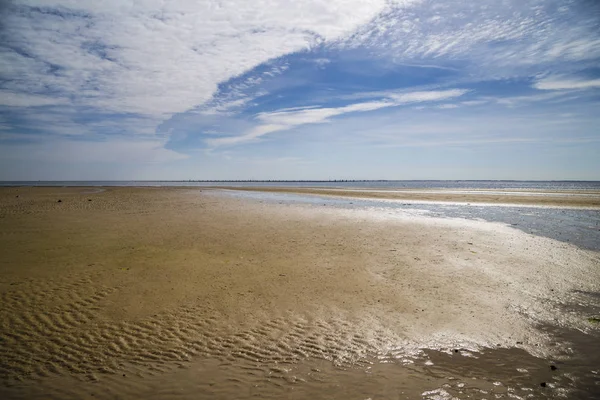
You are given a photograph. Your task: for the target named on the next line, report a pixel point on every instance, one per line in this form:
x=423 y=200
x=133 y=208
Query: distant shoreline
x=298 y=181
x=544 y=193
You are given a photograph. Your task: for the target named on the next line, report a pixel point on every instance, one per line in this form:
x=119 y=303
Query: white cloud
x=62 y=121
x=321 y=62
x=239 y=94
x=160 y=57
x=250 y=135
x=432 y=95
x=163 y=57
x=316 y=115
x=286 y=119
x=513 y=101
x=149 y=59
x=496 y=39
x=566 y=84
x=15 y=99
x=319 y=115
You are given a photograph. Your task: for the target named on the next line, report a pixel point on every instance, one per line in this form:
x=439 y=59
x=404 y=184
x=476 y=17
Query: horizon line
x=298 y=180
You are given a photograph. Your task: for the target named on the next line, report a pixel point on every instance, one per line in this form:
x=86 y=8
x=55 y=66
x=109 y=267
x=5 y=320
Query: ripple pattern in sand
x=48 y=328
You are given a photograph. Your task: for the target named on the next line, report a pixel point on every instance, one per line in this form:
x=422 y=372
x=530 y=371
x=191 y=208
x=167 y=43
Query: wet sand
x=589 y=199
x=180 y=293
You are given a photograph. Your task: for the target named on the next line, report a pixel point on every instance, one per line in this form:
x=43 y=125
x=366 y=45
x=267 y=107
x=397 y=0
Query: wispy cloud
x=558 y=83
x=284 y=120
x=448 y=106
x=428 y=127
x=10 y=98
x=494 y=39
x=65 y=121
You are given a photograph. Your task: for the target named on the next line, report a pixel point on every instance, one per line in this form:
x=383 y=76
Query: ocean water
x=406 y=184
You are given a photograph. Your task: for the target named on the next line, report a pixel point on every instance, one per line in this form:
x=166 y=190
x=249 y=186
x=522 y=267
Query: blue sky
x=315 y=89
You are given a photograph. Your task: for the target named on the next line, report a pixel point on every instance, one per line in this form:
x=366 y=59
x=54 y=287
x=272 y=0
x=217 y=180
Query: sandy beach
x=182 y=293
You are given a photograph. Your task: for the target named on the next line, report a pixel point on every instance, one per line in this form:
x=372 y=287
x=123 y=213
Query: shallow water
x=577 y=226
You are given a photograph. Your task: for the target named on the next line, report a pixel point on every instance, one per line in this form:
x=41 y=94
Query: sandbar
x=589 y=199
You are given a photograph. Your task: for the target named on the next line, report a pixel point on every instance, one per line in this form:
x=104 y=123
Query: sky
x=306 y=89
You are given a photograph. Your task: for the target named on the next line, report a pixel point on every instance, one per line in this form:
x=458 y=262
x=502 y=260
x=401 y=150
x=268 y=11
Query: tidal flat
x=185 y=293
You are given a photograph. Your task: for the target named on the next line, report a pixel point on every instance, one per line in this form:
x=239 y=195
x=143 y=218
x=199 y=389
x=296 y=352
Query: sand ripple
x=52 y=328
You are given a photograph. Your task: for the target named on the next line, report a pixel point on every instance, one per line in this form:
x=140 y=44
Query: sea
x=355 y=184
